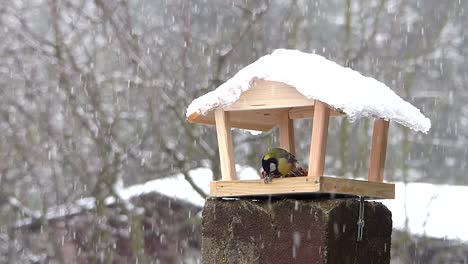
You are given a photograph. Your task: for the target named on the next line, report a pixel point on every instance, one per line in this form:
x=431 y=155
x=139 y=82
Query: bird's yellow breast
x=284 y=166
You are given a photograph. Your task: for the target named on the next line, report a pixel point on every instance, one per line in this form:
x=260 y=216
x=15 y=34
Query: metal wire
x=360 y=222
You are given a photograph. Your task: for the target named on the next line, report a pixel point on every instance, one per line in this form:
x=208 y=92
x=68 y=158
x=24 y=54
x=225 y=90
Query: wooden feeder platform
x=268 y=104
x=303 y=185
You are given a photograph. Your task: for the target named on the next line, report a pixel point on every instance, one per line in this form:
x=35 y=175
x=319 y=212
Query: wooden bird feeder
x=267 y=104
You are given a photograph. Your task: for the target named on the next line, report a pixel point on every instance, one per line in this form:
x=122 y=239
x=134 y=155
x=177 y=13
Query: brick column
x=294 y=231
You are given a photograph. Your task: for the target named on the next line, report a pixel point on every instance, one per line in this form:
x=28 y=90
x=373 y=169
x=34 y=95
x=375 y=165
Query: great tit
x=278 y=162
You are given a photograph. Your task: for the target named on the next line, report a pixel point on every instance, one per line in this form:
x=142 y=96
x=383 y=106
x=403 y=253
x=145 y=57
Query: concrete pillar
x=294 y=231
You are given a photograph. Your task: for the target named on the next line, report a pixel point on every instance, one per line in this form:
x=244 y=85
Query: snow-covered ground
x=431 y=209
x=178 y=187
x=434 y=210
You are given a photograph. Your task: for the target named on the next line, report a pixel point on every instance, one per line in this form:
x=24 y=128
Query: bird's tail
x=297 y=172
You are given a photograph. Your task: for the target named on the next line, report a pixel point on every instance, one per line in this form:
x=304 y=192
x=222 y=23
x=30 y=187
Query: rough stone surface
x=294 y=231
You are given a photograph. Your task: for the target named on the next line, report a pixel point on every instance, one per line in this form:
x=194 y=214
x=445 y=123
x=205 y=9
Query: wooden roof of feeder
x=289 y=84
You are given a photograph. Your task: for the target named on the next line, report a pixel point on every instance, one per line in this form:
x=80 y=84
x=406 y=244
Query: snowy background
x=420 y=208
x=94 y=94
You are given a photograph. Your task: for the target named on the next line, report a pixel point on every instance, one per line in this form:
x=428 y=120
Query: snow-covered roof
x=173 y=186
x=316 y=78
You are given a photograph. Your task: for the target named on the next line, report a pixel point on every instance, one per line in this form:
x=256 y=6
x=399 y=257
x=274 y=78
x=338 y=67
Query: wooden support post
x=286 y=132
x=318 y=145
x=378 y=150
x=226 y=150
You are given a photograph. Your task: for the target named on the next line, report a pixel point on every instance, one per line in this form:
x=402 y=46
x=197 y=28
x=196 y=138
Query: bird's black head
x=270 y=165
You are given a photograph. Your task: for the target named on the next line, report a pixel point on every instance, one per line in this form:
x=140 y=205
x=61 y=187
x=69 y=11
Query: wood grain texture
x=258 y=108
x=318 y=145
x=324 y=184
x=357 y=187
x=261 y=120
x=254 y=187
x=269 y=95
x=286 y=132
x=378 y=150
x=308 y=112
x=226 y=150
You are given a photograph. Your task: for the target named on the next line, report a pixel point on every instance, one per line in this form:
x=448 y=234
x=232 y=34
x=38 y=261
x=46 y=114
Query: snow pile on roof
x=317 y=78
x=175 y=187
x=178 y=187
x=62 y=210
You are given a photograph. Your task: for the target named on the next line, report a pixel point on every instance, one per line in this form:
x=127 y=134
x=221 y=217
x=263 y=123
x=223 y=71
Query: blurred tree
x=94 y=92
